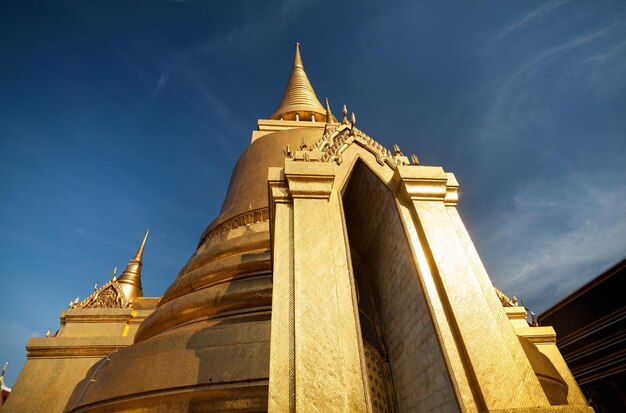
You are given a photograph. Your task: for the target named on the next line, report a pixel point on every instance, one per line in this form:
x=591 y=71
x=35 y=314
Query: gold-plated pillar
x=326 y=363
x=488 y=358
x=281 y=396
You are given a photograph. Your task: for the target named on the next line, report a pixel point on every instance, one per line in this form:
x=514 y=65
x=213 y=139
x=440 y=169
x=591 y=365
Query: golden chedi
x=338 y=276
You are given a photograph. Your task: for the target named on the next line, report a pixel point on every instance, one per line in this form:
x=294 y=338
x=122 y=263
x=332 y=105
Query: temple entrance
x=398 y=336
x=378 y=371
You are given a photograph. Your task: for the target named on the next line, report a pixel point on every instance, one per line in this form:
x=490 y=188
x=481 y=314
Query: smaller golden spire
x=130 y=280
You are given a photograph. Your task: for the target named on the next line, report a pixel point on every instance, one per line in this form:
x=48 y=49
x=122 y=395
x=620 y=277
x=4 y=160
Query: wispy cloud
x=515 y=93
x=557 y=235
x=244 y=36
x=608 y=54
x=253 y=32
x=160 y=84
x=607 y=67
x=534 y=15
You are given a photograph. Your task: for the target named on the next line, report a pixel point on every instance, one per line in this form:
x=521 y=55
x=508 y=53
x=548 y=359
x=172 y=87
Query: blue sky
x=117 y=116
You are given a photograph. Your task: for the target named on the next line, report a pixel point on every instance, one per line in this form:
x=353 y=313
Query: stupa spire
x=130 y=280
x=299 y=101
x=297 y=59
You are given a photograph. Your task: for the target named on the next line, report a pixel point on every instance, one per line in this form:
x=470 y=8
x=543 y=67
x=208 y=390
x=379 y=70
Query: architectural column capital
x=421 y=183
x=277 y=186
x=427 y=183
x=452 y=190
x=309 y=179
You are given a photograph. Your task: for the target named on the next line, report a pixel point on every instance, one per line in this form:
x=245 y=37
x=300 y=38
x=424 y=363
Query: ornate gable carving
x=110 y=295
x=339 y=137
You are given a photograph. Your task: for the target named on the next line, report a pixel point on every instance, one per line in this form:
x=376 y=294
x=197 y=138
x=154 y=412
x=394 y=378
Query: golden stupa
x=338 y=276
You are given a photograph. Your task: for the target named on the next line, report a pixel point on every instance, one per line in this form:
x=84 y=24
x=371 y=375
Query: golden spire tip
x=139 y=254
x=297 y=60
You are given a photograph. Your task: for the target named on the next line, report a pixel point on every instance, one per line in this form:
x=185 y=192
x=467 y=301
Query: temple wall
x=56 y=364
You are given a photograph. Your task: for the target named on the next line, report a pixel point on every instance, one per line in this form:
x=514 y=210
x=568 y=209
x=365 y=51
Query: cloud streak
x=253 y=32
x=514 y=95
x=160 y=84
x=577 y=226
x=529 y=18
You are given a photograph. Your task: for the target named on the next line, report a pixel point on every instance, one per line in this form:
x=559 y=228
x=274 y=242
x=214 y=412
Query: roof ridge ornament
x=2 y=386
x=329 y=114
x=345 y=115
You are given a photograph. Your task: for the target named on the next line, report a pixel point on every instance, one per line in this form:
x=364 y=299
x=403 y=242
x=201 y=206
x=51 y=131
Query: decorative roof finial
x=2 y=374
x=130 y=280
x=299 y=97
x=345 y=115
x=329 y=115
x=396 y=150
